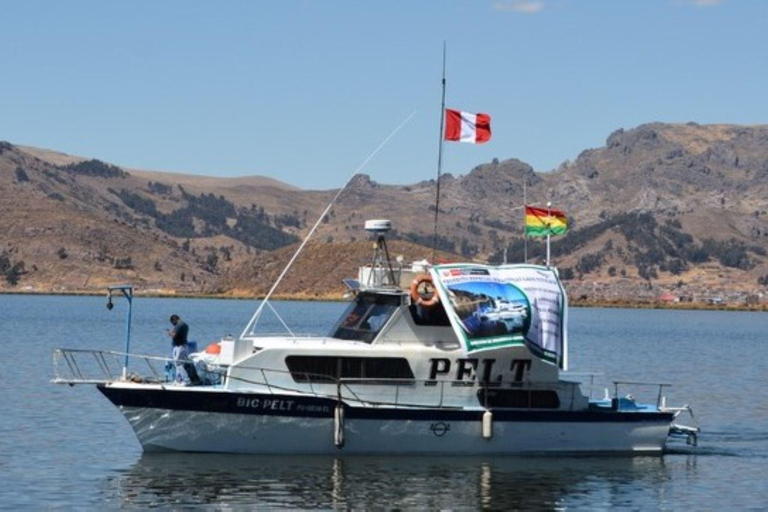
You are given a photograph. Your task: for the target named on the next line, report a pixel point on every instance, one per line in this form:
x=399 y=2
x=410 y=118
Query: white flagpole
x=549 y=227
x=525 y=231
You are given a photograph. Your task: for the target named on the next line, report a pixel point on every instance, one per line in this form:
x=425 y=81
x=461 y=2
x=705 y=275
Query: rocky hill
x=660 y=208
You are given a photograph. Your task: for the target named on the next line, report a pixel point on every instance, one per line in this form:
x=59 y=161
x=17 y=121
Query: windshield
x=365 y=317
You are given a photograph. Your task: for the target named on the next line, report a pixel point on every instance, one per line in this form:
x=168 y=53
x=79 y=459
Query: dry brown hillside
x=317 y=272
x=659 y=208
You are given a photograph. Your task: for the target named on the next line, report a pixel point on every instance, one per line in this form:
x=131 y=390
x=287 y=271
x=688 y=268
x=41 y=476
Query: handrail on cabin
x=106 y=365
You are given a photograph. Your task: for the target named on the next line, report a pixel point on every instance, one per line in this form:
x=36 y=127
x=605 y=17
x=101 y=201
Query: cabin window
x=519 y=398
x=365 y=317
x=328 y=368
x=434 y=316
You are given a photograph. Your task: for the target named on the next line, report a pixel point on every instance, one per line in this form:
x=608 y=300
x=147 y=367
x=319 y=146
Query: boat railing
x=387 y=392
x=437 y=394
x=592 y=381
x=582 y=376
x=84 y=366
x=659 y=397
x=319 y=385
x=288 y=336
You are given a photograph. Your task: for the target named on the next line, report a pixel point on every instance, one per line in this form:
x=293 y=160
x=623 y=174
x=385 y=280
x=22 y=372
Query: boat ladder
x=690 y=433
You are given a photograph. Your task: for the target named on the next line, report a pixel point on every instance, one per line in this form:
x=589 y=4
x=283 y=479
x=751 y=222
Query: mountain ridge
x=703 y=187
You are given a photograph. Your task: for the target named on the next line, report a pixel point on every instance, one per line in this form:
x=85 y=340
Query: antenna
x=439 y=160
x=255 y=318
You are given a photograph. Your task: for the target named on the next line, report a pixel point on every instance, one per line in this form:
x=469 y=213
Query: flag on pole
x=465 y=127
x=544 y=221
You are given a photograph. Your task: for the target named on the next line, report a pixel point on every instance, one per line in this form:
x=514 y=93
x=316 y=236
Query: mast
x=439 y=160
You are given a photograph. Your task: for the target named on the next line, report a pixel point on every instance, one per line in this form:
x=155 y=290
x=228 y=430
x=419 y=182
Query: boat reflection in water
x=161 y=479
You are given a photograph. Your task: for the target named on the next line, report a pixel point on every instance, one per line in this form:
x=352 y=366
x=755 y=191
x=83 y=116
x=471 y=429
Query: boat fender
x=487 y=425
x=338 y=426
x=416 y=295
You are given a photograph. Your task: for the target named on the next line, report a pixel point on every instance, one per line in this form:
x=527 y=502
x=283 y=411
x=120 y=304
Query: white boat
x=512 y=315
x=401 y=372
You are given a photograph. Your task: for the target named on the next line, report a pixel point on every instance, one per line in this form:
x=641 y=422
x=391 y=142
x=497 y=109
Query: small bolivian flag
x=544 y=221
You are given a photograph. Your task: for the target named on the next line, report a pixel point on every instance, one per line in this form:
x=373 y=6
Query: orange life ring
x=417 y=296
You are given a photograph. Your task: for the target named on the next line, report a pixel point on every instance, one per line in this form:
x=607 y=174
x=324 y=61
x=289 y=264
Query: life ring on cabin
x=423 y=292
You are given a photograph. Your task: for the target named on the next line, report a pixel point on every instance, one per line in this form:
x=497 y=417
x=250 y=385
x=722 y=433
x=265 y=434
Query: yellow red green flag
x=544 y=221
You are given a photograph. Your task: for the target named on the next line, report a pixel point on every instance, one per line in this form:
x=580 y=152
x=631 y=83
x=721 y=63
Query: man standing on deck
x=178 y=335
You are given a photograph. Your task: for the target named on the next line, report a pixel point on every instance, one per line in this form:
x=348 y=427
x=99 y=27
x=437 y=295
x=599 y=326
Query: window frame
x=370 y=370
x=352 y=323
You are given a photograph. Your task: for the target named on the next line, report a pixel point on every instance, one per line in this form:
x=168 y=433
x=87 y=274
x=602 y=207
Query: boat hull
x=226 y=422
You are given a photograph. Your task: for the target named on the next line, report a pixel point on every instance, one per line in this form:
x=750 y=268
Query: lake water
x=68 y=447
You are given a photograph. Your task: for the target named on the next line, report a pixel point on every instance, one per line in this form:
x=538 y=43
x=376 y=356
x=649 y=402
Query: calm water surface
x=68 y=447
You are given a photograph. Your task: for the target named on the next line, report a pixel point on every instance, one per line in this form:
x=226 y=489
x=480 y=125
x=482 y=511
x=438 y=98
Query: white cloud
x=524 y=6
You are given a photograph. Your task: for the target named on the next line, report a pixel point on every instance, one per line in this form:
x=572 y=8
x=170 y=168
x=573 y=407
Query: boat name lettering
x=466 y=369
x=313 y=408
x=518 y=368
x=265 y=404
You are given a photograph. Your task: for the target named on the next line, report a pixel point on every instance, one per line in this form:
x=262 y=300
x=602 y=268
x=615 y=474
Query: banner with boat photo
x=496 y=307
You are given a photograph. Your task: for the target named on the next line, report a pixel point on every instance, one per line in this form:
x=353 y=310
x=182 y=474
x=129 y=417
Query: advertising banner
x=493 y=307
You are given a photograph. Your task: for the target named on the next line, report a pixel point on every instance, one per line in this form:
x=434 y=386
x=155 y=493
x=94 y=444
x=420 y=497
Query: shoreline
x=298 y=297
x=682 y=306
x=336 y=297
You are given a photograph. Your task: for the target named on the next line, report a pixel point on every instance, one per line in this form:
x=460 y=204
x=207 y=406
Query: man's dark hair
x=174 y=317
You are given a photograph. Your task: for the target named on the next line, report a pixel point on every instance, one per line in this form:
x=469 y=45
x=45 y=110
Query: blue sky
x=304 y=90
